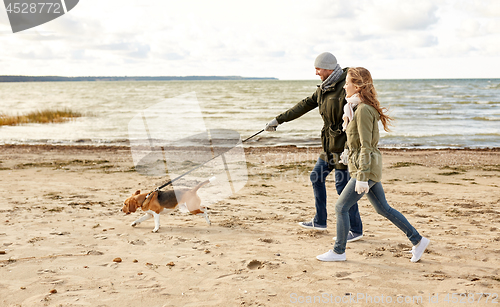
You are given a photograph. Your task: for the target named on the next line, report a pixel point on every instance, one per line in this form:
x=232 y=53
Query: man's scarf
x=332 y=79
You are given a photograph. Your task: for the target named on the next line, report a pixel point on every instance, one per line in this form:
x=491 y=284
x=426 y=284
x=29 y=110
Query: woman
x=361 y=115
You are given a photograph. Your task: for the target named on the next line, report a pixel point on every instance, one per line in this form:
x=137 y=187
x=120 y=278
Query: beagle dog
x=157 y=202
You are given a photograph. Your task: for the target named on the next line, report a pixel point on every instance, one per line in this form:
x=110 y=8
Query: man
x=330 y=99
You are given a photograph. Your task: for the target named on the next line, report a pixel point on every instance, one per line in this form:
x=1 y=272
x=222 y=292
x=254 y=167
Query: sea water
x=453 y=113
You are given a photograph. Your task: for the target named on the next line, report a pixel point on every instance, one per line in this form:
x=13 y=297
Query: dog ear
x=137 y=192
x=132 y=206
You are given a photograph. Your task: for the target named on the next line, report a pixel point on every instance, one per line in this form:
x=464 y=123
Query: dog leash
x=188 y=172
x=252 y=136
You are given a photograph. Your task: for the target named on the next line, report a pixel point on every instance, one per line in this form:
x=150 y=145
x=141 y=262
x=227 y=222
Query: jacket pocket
x=333 y=133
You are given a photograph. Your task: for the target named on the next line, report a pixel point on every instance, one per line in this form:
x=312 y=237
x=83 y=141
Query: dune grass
x=42 y=117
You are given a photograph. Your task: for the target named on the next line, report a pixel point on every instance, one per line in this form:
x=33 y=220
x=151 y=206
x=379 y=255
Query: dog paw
x=133 y=224
x=155 y=230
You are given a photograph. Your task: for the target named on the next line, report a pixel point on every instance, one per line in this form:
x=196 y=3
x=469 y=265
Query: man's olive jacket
x=331 y=108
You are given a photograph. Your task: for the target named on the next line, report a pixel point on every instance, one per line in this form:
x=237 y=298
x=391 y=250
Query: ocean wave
x=493 y=86
x=403 y=142
x=451 y=118
x=486 y=102
x=91 y=142
x=439 y=104
x=442 y=136
x=494 y=134
x=486 y=118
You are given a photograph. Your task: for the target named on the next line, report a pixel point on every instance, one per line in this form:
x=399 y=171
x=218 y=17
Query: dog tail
x=203 y=183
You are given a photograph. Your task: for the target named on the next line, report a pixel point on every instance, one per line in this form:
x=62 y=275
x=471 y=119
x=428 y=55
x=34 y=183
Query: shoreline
x=246 y=147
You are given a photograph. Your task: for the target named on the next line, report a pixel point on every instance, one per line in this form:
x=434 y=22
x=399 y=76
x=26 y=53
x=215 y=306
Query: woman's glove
x=344 y=157
x=362 y=187
x=272 y=125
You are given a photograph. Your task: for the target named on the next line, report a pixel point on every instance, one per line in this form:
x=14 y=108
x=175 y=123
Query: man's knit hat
x=326 y=60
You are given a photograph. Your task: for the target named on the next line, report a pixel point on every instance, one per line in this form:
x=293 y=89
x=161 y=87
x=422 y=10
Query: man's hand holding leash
x=272 y=125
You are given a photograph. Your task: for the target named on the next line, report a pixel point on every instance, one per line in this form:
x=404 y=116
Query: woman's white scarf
x=352 y=102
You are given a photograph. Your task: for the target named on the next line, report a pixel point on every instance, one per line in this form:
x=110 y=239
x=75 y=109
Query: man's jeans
x=376 y=196
x=318 y=177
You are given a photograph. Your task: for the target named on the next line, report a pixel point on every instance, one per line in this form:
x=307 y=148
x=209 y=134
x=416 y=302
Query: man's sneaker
x=312 y=225
x=419 y=249
x=331 y=256
x=351 y=237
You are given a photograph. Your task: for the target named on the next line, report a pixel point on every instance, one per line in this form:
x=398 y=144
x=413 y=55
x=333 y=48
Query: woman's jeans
x=376 y=196
x=318 y=178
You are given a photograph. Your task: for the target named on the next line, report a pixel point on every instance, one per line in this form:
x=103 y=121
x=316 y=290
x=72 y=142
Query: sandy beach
x=65 y=242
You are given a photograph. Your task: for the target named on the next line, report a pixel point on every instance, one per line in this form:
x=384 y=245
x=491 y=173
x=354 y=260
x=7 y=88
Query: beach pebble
x=53 y=291
x=2 y=252
x=118 y=259
x=171 y=263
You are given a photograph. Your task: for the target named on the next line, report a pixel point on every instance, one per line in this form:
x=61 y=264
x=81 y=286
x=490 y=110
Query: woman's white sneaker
x=331 y=256
x=419 y=249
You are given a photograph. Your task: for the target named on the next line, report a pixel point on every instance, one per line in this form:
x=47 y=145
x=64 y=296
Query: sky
x=394 y=39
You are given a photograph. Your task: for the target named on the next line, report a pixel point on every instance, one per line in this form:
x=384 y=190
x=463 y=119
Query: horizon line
x=196 y=78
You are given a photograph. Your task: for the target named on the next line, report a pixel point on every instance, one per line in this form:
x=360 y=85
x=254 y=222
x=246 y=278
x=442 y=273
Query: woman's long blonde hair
x=362 y=79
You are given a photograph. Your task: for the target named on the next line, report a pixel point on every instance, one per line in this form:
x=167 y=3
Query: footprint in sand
x=254 y=264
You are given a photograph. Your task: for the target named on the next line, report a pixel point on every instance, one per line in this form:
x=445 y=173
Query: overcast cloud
x=392 y=38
